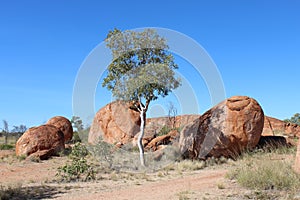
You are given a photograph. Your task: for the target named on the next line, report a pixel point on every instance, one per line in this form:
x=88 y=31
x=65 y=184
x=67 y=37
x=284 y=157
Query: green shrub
x=166 y=129
x=76 y=138
x=78 y=168
x=6 y=146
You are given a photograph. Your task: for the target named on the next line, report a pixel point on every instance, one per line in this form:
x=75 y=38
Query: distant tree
x=142 y=69
x=5 y=130
x=78 y=129
x=19 y=129
x=77 y=123
x=172 y=113
x=294 y=119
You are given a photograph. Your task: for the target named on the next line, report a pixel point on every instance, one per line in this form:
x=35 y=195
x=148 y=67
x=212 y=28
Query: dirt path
x=191 y=185
x=38 y=182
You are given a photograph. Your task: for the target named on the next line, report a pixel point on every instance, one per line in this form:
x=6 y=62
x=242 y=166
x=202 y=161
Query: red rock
x=276 y=127
x=156 y=143
x=64 y=125
x=118 y=123
x=225 y=130
x=115 y=123
x=154 y=125
x=42 y=141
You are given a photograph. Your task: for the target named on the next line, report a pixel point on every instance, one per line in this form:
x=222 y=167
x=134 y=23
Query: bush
x=75 y=138
x=166 y=129
x=6 y=146
x=78 y=169
x=266 y=174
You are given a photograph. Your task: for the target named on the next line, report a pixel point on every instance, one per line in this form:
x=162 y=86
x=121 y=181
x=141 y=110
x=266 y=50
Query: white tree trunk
x=140 y=138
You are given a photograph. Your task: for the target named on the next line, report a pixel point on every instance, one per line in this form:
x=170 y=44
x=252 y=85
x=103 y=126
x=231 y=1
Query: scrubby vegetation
x=6 y=146
x=267 y=170
x=78 y=169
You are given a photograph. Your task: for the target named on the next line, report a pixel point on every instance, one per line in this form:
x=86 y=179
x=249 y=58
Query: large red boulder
x=64 y=125
x=115 y=123
x=42 y=141
x=225 y=130
x=276 y=127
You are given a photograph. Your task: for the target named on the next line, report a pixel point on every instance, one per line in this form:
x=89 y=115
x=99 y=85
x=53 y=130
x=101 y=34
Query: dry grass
x=267 y=173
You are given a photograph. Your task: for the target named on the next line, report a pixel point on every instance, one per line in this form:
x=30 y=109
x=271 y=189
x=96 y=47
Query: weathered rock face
x=225 y=130
x=64 y=125
x=155 y=125
x=42 y=141
x=276 y=127
x=115 y=123
x=162 y=140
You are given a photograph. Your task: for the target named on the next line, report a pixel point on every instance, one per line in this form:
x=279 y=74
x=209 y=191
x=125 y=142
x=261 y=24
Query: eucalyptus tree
x=142 y=69
x=294 y=119
x=77 y=123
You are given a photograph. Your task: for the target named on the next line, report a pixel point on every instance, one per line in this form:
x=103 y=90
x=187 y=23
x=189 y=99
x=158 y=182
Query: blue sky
x=254 y=43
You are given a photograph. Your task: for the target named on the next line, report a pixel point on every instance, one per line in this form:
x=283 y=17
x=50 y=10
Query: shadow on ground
x=31 y=192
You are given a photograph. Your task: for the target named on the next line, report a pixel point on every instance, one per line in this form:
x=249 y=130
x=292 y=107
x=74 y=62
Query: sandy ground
x=38 y=181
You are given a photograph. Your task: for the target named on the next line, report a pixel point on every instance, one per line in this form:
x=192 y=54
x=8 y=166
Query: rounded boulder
x=225 y=130
x=64 y=125
x=42 y=141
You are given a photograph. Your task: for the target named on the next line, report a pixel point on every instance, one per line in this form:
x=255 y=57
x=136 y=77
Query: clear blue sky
x=254 y=43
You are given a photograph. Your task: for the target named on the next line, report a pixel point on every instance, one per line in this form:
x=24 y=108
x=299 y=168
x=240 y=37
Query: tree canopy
x=142 y=67
x=294 y=119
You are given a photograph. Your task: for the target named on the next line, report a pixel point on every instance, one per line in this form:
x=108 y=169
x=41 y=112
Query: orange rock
x=64 y=125
x=273 y=126
x=156 y=143
x=115 y=123
x=225 y=130
x=42 y=141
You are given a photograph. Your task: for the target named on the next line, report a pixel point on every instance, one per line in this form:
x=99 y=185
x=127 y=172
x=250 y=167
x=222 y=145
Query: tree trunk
x=140 y=138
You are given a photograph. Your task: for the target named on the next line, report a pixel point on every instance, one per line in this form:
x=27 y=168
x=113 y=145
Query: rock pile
x=225 y=130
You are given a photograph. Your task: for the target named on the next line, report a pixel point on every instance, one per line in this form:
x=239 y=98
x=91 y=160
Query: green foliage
x=78 y=169
x=75 y=137
x=21 y=157
x=6 y=146
x=141 y=66
x=164 y=131
x=81 y=136
x=295 y=119
x=142 y=69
